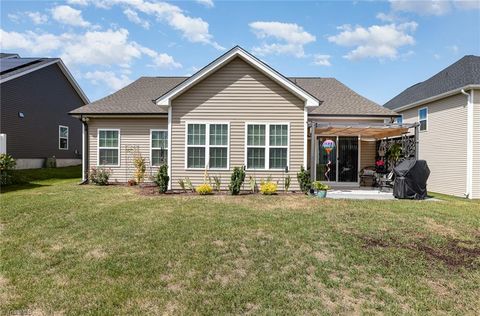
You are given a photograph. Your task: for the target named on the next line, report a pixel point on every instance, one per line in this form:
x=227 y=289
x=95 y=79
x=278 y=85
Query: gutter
x=85 y=167
x=436 y=97
x=469 y=185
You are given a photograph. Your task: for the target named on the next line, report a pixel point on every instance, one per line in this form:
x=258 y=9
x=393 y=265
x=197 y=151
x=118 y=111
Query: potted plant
x=320 y=189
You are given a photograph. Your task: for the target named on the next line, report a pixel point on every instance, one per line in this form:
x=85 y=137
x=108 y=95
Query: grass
x=76 y=249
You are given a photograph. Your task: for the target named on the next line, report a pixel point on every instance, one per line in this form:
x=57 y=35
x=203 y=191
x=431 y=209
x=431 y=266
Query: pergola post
x=417 y=142
x=312 y=151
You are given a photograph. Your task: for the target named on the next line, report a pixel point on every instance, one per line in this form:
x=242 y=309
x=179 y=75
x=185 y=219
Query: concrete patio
x=359 y=193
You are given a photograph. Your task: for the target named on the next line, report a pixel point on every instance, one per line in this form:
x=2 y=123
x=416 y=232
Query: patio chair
x=385 y=181
x=367 y=175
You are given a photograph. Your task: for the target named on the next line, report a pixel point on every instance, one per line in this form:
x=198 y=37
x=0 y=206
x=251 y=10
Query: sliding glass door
x=343 y=166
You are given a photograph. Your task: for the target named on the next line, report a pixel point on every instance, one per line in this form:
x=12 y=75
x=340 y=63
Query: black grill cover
x=411 y=179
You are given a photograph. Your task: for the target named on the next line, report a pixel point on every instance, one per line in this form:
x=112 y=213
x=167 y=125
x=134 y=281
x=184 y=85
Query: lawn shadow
x=24 y=186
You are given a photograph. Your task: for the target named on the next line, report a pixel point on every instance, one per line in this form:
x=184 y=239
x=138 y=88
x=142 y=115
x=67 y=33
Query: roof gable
x=237 y=51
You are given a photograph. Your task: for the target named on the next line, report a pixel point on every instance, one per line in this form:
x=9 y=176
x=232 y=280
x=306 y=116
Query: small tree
x=7 y=166
x=236 y=181
x=162 y=178
x=304 y=181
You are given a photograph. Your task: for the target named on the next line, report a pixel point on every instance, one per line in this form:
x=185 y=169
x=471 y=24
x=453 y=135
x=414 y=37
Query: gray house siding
x=45 y=97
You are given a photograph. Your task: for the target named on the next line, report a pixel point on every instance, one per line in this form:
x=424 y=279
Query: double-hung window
x=158 y=147
x=63 y=137
x=207 y=145
x=108 y=147
x=399 y=119
x=267 y=146
x=423 y=118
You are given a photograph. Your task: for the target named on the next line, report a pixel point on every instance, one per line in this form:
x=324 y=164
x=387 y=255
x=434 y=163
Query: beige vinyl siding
x=444 y=144
x=367 y=154
x=237 y=93
x=133 y=132
x=476 y=145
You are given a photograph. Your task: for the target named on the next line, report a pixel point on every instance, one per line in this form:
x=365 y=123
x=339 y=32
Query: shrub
x=303 y=177
x=217 y=183
x=140 y=167
x=162 y=178
x=7 y=166
x=317 y=185
x=268 y=188
x=204 y=189
x=51 y=162
x=181 y=183
x=99 y=176
x=132 y=182
x=189 y=184
x=252 y=183
x=288 y=181
x=236 y=181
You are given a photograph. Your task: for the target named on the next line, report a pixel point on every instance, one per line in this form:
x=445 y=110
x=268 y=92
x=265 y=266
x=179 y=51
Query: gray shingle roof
x=137 y=97
x=465 y=71
x=338 y=99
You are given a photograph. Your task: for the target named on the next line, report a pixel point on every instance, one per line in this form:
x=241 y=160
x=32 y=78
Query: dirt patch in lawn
x=454 y=253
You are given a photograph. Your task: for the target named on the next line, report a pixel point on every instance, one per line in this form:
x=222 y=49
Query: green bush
x=288 y=181
x=217 y=183
x=99 y=176
x=162 y=178
x=51 y=162
x=317 y=185
x=236 y=181
x=7 y=167
x=303 y=177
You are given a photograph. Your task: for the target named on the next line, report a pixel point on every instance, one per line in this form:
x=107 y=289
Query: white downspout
x=469 y=186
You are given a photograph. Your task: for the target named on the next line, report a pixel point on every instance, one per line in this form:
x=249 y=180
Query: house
x=447 y=106
x=36 y=95
x=236 y=111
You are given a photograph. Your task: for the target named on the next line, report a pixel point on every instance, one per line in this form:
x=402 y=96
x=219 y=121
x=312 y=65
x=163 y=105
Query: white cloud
x=108 y=78
x=132 y=16
x=433 y=7
x=34 y=43
x=37 y=17
x=436 y=56
x=68 y=15
x=292 y=38
x=78 y=2
x=322 y=60
x=103 y=48
x=386 y=17
x=195 y=30
x=425 y=7
x=207 y=3
x=376 y=41
x=14 y=17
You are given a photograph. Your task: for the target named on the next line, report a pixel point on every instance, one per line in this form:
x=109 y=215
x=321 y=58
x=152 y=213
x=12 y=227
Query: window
x=108 y=147
x=207 y=145
x=422 y=118
x=63 y=137
x=158 y=147
x=399 y=120
x=260 y=151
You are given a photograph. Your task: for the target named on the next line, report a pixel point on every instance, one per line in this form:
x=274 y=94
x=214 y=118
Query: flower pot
x=321 y=193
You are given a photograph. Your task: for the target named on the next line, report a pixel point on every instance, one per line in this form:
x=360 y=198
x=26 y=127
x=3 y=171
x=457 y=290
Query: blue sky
x=378 y=48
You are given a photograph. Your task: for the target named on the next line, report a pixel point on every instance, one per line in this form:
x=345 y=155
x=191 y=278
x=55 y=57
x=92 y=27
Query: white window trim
x=426 y=119
x=401 y=117
x=207 y=144
x=267 y=145
x=151 y=148
x=98 y=146
x=60 y=137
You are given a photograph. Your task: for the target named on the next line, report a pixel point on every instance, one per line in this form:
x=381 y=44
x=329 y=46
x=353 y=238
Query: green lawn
x=76 y=249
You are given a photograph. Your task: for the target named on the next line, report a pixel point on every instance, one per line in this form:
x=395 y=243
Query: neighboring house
x=36 y=95
x=236 y=111
x=447 y=106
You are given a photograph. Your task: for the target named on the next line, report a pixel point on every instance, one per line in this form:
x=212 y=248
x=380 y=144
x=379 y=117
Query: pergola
x=363 y=130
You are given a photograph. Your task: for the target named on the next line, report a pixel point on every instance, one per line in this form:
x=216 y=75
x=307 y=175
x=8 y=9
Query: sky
x=377 y=48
